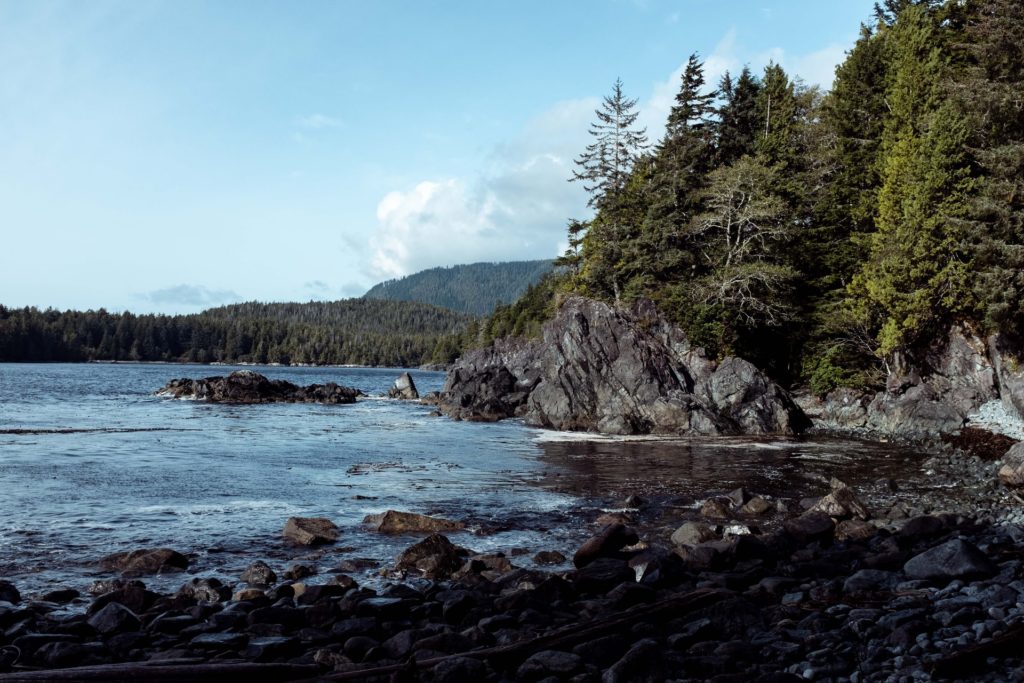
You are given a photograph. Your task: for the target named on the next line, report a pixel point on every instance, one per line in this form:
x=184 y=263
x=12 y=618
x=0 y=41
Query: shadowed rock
x=310 y=530
x=246 y=386
x=404 y=388
x=395 y=522
x=146 y=561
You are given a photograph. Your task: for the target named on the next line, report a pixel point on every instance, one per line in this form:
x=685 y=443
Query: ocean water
x=92 y=462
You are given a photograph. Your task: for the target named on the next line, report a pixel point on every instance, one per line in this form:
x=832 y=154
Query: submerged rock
x=404 y=388
x=310 y=530
x=246 y=386
x=395 y=522
x=435 y=556
x=605 y=369
x=146 y=561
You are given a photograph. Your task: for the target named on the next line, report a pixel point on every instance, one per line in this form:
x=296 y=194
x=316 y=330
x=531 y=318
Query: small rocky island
x=247 y=387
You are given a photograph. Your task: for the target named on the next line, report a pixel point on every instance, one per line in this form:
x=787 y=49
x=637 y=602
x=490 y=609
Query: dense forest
x=353 y=331
x=829 y=237
x=476 y=288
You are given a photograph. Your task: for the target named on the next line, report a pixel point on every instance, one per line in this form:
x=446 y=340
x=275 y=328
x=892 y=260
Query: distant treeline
x=354 y=331
x=475 y=288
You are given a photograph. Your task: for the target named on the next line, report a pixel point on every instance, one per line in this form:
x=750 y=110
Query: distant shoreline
x=421 y=368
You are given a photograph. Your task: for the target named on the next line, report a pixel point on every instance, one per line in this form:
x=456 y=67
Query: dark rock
x=715 y=508
x=607 y=543
x=955 y=559
x=810 y=526
x=205 y=590
x=641 y=664
x=146 y=561
x=435 y=556
x=615 y=371
x=259 y=573
x=921 y=528
x=1012 y=472
x=9 y=593
x=271 y=647
x=395 y=522
x=459 y=670
x=545 y=663
x=297 y=572
x=61 y=595
x=549 y=557
x=841 y=503
x=62 y=654
x=220 y=642
x=870 y=581
x=603 y=574
x=246 y=386
x=115 y=618
x=693 y=533
x=756 y=506
x=1007 y=357
x=134 y=596
x=310 y=530
x=404 y=388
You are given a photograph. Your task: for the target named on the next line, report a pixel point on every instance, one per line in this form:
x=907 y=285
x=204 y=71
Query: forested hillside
x=829 y=237
x=353 y=331
x=475 y=288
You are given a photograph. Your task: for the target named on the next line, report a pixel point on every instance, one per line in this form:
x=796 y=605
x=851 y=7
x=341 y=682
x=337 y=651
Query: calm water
x=218 y=482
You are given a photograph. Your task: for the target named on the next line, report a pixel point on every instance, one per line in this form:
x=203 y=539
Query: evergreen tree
x=737 y=125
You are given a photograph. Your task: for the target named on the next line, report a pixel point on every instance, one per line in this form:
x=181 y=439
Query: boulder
x=616 y=371
x=146 y=561
x=1008 y=360
x=9 y=593
x=810 y=526
x=404 y=388
x=693 y=533
x=955 y=559
x=549 y=663
x=549 y=557
x=612 y=539
x=115 y=618
x=841 y=503
x=205 y=590
x=259 y=573
x=1012 y=472
x=246 y=386
x=395 y=522
x=310 y=530
x=435 y=556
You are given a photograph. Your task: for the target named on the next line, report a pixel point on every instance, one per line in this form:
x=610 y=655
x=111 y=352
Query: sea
x=93 y=461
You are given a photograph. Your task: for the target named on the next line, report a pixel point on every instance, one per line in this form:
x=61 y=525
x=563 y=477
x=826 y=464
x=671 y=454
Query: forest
x=828 y=237
x=352 y=331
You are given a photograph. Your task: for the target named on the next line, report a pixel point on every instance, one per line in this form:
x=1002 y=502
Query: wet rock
x=310 y=530
x=955 y=559
x=395 y=522
x=9 y=593
x=248 y=387
x=248 y=594
x=549 y=557
x=612 y=539
x=115 y=618
x=657 y=567
x=756 y=506
x=871 y=581
x=404 y=388
x=641 y=664
x=693 y=533
x=297 y=572
x=920 y=528
x=459 y=670
x=854 y=530
x=547 y=663
x=1012 y=472
x=146 y=561
x=810 y=526
x=205 y=590
x=219 y=642
x=61 y=595
x=62 y=654
x=715 y=508
x=134 y=596
x=603 y=574
x=268 y=648
x=435 y=556
x=259 y=573
x=841 y=503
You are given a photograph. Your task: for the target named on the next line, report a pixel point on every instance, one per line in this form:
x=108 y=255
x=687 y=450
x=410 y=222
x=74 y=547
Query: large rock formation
x=934 y=394
x=614 y=371
x=246 y=386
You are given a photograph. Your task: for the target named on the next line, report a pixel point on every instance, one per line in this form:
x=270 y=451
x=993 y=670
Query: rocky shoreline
x=733 y=587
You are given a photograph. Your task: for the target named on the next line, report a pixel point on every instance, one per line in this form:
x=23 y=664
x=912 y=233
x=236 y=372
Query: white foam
x=994 y=417
x=218 y=508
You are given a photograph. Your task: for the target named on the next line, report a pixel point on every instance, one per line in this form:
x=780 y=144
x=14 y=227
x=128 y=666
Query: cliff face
x=603 y=369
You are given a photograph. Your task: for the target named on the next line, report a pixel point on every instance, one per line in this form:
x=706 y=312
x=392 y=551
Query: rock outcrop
x=935 y=394
x=246 y=386
x=404 y=388
x=604 y=369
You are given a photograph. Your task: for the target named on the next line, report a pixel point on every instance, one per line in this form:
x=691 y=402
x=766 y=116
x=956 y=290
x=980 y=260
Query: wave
x=228 y=508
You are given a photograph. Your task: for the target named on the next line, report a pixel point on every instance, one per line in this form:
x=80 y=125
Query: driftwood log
x=192 y=670
x=972 y=660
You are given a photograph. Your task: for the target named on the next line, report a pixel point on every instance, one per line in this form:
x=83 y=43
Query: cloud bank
x=192 y=295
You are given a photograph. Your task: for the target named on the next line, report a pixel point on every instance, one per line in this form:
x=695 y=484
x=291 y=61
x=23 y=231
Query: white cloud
x=319 y=121
x=192 y=295
x=518 y=205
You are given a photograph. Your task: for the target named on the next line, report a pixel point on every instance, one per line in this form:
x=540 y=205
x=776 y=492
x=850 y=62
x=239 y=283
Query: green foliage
x=354 y=331
x=474 y=289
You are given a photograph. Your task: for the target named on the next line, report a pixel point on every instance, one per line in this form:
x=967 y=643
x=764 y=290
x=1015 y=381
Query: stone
x=459 y=670
x=259 y=573
x=548 y=557
x=870 y=581
x=616 y=371
x=920 y=528
x=1012 y=472
x=146 y=561
x=395 y=522
x=642 y=663
x=756 y=506
x=134 y=596
x=603 y=574
x=61 y=595
x=810 y=526
x=435 y=556
x=220 y=642
x=9 y=593
x=715 y=508
x=115 y=618
x=269 y=648
x=545 y=663
x=1007 y=356
x=954 y=559
x=298 y=571
x=205 y=590
x=841 y=503
x=612 y=539
x=248 y=387
x=404 y=388
x=310 y=530
x=248 y=594
x=693 y=533
x=854 y=530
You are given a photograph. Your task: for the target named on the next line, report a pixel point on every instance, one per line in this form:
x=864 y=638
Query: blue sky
x=170 y=156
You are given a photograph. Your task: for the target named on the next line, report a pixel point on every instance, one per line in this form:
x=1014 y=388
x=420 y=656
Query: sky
x=172 y=156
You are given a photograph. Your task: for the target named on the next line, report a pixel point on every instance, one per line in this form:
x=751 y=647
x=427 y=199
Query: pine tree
x=737 y=125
